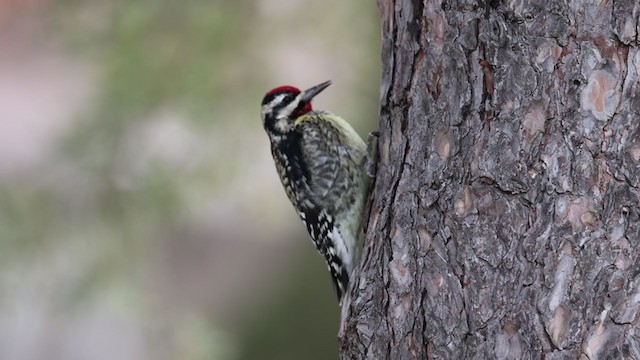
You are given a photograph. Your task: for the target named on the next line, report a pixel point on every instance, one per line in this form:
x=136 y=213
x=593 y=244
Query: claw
x=369 y=158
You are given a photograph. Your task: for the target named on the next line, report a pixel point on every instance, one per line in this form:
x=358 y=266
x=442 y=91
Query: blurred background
x=141 y=216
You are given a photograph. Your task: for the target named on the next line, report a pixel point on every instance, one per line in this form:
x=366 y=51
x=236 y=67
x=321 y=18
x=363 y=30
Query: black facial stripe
x=283 y=104
x=300 y=106
x=269 y=98
x=288 y=97
x=280 y=105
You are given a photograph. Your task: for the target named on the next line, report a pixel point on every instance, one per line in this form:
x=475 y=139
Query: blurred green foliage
x=300 y=324
x=206 y=64
x=161 y=51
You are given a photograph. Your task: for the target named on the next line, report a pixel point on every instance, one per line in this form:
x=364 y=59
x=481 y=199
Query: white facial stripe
x=277 y=100
x=266 y=108
x=290 y=108
x=282 y=122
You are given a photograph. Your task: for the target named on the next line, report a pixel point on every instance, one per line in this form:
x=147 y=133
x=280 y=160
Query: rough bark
x=505 y=220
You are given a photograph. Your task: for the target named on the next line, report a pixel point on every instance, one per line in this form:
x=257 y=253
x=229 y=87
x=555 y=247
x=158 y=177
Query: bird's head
x=284 y=104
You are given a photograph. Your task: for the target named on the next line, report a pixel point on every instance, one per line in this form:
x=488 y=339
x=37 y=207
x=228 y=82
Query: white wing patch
x=341 y=247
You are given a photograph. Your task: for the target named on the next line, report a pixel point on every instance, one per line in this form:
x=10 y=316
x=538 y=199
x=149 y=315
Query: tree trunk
x=505 y=220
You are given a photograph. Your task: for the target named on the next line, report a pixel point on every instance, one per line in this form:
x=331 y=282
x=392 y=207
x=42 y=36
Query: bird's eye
x=288 y=98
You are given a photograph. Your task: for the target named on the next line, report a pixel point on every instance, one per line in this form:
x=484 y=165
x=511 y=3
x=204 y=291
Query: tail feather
x=340 y=280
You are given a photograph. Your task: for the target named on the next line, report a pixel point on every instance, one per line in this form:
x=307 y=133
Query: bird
x=320 y=160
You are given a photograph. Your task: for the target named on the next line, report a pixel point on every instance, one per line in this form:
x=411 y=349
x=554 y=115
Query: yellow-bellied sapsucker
x=320 y=160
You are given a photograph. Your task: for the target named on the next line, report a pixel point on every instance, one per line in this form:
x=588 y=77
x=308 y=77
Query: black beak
x=308 y=94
